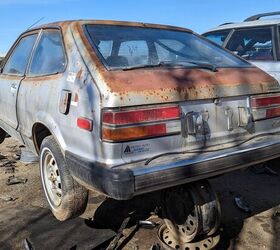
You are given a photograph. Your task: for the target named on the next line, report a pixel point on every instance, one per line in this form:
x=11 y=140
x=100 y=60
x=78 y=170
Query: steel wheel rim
x=190 y=228
x=51 y=178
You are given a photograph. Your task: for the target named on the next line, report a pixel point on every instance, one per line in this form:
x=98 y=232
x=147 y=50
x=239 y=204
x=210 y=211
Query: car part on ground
x=12 y=180
x=169 y=241
x=192 y=210
x=147 y=224
x=114 y=243
x=27 y=156
x=27 y=244
x=7 y=198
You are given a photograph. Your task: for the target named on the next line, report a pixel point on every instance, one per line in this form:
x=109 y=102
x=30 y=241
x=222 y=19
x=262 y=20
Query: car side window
x=49 y=57
x=252 y=44
x=105 y=48
x=217 y=37
x=18 y=60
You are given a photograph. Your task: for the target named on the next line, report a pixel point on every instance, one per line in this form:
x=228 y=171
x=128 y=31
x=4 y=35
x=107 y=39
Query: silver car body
x=217 y=132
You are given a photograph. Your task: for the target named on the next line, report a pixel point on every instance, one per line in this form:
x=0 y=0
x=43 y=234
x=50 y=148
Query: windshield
x=123 y=47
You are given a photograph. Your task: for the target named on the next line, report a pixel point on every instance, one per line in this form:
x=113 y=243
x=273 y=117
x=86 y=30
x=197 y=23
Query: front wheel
x=66 y=197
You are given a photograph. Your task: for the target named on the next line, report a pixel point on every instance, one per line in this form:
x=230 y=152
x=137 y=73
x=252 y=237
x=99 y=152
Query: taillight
x=264 y=107
x=140 y=123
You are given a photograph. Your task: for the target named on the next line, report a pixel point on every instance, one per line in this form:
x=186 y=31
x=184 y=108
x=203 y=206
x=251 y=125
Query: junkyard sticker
x=138 y=148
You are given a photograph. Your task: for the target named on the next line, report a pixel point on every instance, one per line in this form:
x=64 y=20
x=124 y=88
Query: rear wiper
x=159 y=64
x=203 y=65
x=174 y=64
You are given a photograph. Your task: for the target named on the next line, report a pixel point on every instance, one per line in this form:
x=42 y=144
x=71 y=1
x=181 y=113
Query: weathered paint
x=147 y=86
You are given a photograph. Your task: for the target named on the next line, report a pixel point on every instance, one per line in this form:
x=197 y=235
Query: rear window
x=123 y=47
x=252 y=44
x=217 y=37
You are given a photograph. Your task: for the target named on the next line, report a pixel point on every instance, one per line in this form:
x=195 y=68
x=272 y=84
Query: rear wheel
x=66 y=197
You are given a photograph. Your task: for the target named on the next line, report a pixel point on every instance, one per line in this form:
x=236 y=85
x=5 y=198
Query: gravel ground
x=26 y=215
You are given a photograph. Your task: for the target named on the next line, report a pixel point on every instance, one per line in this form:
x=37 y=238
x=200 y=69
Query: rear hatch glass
x=127 y=47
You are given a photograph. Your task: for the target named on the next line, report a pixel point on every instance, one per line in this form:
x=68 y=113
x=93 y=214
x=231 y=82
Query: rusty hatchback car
x=130 y=108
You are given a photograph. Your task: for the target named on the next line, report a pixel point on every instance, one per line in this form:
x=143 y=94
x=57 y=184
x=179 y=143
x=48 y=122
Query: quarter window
x=252 y=44
x=49 y=55
x=105 y=48
x=17 y=62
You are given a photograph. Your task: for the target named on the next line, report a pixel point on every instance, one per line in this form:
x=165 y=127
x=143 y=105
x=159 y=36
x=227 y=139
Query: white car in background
x=1 y=57
x=255 y=39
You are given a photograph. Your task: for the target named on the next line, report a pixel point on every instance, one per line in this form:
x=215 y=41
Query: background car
x=254 y=39
x=1 y=57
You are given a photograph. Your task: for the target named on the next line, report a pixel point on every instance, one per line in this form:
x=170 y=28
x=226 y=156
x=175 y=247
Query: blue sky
x=199 y=15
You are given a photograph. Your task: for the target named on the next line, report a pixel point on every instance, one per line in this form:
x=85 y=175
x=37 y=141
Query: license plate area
x=218 y=120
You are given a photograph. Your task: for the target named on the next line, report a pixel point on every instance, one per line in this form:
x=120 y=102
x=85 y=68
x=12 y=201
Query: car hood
x=147 y=86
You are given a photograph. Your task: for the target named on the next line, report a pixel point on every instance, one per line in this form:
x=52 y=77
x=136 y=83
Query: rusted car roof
x=111 y=22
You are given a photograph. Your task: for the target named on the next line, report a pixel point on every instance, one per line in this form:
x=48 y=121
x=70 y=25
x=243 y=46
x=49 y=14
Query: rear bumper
x=126 y=181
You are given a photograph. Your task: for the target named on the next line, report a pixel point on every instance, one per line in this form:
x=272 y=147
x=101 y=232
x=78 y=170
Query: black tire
x=66 y=197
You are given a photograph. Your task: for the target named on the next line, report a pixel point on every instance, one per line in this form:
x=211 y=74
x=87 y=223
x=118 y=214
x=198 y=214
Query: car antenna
x=35 y=23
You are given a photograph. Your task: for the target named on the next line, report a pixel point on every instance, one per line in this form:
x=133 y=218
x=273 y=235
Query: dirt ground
x=24 y=213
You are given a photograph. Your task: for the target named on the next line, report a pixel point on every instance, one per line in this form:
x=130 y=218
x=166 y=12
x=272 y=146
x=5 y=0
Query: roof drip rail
x=258 y=16
x=225 y=23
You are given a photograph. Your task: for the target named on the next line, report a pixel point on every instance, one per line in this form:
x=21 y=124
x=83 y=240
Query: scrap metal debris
x=263 y=169
x=242 y=204
x=114 y=242
x=10 y=170
x=7 y=198
x=6 y=163
x=155 y=247
x=27 y=245
x=276 y=214
x=12 y=180
x=16 y=156
x=147 y=224
x=27 y=156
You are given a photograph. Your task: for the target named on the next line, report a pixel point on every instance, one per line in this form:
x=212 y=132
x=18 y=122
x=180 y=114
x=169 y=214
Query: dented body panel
x=214 y=122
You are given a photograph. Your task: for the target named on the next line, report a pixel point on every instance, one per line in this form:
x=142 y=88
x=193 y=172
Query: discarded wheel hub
x=191 y=210
x=169 y=241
